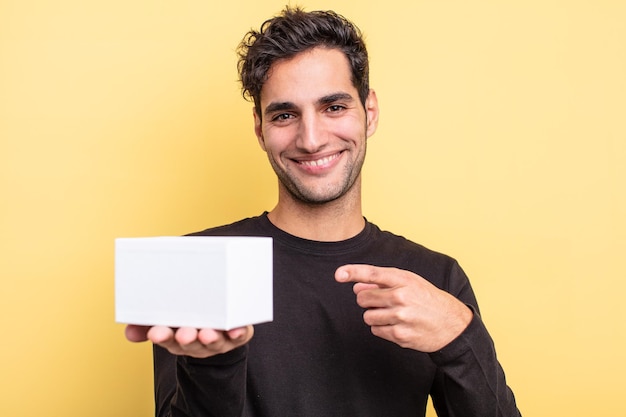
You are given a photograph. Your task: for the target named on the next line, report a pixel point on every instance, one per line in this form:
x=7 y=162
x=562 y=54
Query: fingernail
x=342 y=274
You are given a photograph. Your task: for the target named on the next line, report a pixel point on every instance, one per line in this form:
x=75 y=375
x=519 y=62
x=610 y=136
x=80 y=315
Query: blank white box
x=194 y=281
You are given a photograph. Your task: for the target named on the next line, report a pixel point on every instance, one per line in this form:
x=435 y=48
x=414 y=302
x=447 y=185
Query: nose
x=311 y=133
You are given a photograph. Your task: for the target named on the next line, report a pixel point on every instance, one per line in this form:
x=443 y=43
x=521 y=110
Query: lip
x=318 y=163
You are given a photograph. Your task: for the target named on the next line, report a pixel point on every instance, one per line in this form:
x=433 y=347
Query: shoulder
x=400 y=246
x=251 y=226
x=398 y=251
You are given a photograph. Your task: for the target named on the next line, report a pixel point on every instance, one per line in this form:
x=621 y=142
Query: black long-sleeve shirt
x=317 y=358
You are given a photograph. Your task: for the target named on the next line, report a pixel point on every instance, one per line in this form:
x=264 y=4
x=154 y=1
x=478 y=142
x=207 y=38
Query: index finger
x=135 y=333
x=369 y=274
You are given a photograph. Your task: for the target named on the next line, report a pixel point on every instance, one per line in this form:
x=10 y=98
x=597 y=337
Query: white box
x=196 y=281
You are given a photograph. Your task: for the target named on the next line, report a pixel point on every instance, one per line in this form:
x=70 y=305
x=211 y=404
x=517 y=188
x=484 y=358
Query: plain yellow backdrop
x=502 y=142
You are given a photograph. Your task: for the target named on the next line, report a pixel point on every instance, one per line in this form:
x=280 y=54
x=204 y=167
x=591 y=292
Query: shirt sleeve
x=469 y=379
x=212 y=387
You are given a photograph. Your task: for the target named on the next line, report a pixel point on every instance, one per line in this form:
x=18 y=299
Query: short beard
x=304 y=195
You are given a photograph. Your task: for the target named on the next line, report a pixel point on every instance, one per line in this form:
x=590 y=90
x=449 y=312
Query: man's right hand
x=198 y=343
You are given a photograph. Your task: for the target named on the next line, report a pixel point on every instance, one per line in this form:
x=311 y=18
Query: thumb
x=361 y=286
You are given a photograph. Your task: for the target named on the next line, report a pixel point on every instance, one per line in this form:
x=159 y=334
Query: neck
x=336 y=220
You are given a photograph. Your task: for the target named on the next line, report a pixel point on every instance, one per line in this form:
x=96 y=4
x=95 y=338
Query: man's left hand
x=404 y=308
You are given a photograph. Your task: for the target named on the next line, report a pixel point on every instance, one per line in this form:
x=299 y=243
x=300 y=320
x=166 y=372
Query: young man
x=408 y=328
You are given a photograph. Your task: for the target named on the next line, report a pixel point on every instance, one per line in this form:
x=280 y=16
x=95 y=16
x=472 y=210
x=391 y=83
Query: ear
x=371 y=112
x=258 y=131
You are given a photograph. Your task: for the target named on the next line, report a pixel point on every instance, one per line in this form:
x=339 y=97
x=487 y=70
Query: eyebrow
x=287 y=105
x=331 y=98
x=278 y=106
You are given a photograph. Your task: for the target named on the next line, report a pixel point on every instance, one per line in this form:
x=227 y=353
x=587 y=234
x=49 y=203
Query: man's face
x=313 y=127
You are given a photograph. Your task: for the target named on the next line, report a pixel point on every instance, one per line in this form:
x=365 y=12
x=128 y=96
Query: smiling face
x=313 y=127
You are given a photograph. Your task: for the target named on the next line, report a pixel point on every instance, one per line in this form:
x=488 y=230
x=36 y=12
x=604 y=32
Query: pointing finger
x=369 y=274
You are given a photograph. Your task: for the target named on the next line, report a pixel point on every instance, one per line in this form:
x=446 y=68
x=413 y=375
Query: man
x=408 y=328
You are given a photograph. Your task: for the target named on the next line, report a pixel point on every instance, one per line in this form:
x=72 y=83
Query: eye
x=282 y=117
x=335 y=108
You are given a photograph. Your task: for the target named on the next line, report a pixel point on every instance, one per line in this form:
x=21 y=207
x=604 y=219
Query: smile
x=320 y=162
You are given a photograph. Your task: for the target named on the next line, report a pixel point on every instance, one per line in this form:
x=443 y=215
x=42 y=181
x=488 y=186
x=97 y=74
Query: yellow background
x=502 y=142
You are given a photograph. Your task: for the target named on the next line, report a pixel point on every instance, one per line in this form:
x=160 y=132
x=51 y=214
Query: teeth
x=319 y=162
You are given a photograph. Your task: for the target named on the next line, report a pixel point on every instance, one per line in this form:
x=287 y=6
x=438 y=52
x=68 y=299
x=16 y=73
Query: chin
x=320 y=197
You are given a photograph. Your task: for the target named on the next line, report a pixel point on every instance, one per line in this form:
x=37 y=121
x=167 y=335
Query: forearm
x=212 y=387
x=470 y=380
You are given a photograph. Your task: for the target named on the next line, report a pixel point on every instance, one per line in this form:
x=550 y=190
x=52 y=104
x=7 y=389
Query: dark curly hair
x=294 y=31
